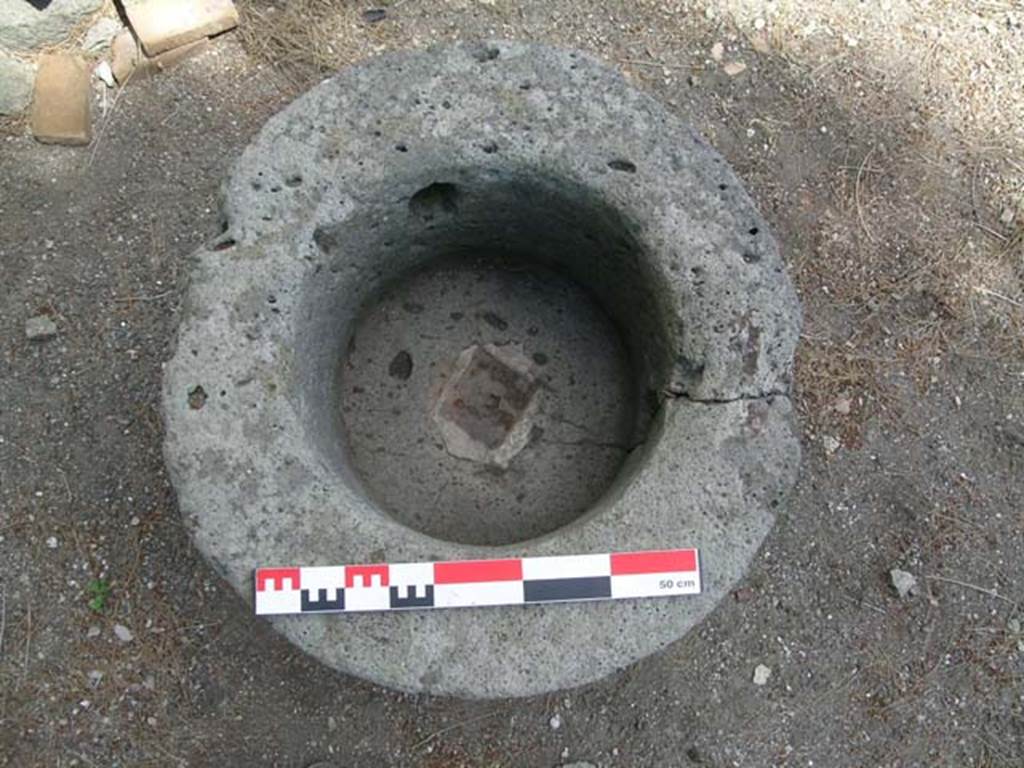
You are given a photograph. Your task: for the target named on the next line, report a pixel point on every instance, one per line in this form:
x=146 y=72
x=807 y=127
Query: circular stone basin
x=483 y=301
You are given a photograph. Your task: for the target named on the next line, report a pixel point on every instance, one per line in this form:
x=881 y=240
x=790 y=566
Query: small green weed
x=98 y=591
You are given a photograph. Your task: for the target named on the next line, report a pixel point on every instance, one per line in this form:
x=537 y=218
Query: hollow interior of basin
x=481 y=349
x=488 y=401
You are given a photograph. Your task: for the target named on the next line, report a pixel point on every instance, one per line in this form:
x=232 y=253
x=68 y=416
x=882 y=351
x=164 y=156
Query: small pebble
x=555 y=722
x=105 y=73
x=717 y=51
x=761 y=674
x=759 y=42
x=734 y=68
x=52 y=542
x=93 y=631
x=831 y=444
x=123 y=633
x=904 y=583
x=40 y=328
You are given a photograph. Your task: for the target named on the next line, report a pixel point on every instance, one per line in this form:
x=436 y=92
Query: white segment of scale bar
x=566 y=567
x=656 y=584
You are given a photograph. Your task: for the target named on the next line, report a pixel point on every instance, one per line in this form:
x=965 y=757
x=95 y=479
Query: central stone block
x=485 y=408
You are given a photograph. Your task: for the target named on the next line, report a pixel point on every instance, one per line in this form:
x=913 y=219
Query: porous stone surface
x=24 y=27
x=494 y=145
x=16 y=78
x=565 y=445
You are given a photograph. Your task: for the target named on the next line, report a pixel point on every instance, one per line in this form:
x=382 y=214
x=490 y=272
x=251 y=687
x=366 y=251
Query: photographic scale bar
x=471 y=583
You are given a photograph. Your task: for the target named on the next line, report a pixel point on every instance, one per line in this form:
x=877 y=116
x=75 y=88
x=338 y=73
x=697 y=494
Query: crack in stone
x=669 y=395
x=595 y=443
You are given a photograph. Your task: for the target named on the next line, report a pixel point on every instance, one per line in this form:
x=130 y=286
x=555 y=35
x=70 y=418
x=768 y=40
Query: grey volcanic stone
x=23 y=27
x=99 y=36
x=505 y=148
x=16 y=80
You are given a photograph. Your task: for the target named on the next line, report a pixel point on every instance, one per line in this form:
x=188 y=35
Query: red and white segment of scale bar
x=469 y=583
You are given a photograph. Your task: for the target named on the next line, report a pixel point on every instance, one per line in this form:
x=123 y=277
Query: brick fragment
x=61 y=103
x=128 y=59
x=161 y=25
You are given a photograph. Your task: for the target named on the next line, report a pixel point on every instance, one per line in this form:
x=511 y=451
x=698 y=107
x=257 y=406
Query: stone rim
x=254 y=488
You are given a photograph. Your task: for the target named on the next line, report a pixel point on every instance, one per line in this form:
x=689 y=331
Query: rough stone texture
x=128 y=59
x=162 y=25
x=584 y=418
x=323 y=207
x=61 y=105
x=100 y=34
x=16 y=78
x=23 y=27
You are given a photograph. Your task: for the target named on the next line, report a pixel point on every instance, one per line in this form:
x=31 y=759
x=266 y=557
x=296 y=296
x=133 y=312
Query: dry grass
x=306 y=39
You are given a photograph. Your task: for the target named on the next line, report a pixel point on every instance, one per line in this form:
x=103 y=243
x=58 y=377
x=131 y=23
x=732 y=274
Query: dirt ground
x=885 y=144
